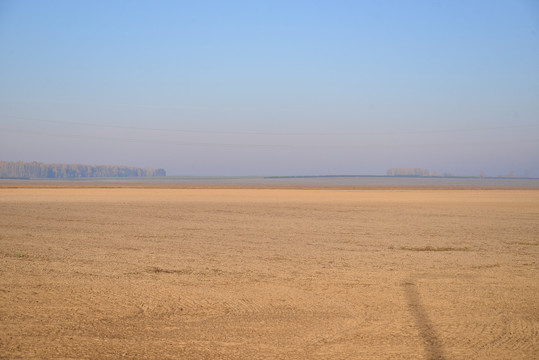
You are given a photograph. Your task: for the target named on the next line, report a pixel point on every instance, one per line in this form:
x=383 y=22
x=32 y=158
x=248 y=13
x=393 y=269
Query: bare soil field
x=210 y=273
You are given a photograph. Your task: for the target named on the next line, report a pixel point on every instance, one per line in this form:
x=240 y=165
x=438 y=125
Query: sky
x=253 y=88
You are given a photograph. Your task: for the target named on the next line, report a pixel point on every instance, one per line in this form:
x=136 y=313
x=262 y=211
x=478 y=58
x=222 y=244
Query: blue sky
x=272 y=87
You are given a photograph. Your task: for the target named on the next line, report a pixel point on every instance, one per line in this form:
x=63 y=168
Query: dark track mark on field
x=432 y=248
x=158 y=270
x=432 y=343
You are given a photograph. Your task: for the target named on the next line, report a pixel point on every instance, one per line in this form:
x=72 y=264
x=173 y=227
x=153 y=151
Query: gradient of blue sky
x=272 y=87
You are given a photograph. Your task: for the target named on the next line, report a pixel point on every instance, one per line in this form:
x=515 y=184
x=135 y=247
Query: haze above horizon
x=229 y=88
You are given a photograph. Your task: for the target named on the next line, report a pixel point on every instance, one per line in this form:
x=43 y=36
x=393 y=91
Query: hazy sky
x=272 y=87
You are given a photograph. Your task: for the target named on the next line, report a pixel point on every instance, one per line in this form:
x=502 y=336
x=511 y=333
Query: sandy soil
x=268 y=273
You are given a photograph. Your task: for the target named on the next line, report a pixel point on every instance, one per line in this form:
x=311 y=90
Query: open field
x=350 y=181
x=268 y=273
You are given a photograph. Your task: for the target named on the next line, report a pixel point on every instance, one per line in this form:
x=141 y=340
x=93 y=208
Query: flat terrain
x=268 y=273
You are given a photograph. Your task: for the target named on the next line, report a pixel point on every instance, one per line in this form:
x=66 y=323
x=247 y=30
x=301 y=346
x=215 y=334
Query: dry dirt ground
x=161 y=273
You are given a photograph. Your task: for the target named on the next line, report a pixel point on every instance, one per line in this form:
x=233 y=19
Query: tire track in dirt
x=517 y=336
x=233 y=304
x=312 y=322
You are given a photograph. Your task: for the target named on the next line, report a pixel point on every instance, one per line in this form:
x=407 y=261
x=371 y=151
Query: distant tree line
x=415 y=172
x=408 y=172
x=36 y=170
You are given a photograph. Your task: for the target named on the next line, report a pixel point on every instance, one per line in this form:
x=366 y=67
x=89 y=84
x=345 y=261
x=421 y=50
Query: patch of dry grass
x=490 y=266
x=435 y=248
x=527 y=243
x=158 y=270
